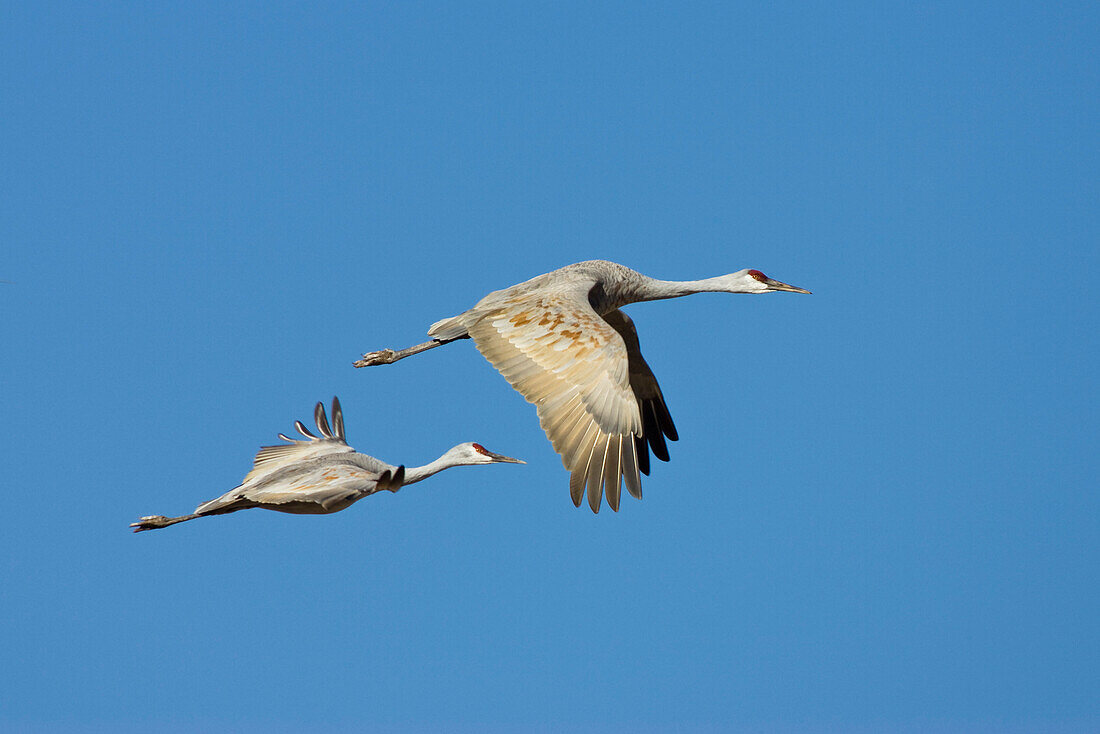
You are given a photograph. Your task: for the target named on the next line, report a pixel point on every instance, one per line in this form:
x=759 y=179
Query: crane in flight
x=562 y=341
x=321 y=474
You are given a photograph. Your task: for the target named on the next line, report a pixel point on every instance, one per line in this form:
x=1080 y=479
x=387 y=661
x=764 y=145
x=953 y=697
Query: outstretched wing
x=270 y=459
x=656 y=420
x=566 y=359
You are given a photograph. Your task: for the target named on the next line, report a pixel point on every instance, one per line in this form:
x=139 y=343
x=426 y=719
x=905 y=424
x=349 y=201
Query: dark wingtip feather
x=653 y=433
x=643 y=454
x=338 y=419
x=665 y=419
x=322 y=420
x=303 y=430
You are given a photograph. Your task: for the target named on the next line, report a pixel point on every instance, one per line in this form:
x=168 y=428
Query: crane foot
x=150 y=522
x=382 y=356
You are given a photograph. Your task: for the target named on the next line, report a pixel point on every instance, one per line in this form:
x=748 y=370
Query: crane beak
x=775 y=285
x=504 y=459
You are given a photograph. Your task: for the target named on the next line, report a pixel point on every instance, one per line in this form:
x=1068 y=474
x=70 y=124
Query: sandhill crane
x=321 y=474
x=562 y=342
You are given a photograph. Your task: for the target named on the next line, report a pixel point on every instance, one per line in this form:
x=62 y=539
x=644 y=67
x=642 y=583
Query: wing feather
x=594 y=478
x=321 y=420
x=642 y=453
x=656 y=421
x=576 y=487
x=325 y=483
x=630 y=467
x=270 y=459
x=613 y=471
x=653 y=432
x=580 y=443
x=563 y=357
x=338 y=419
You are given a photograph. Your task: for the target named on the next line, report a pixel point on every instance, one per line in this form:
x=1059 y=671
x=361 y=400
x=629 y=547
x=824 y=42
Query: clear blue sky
x=882 y=515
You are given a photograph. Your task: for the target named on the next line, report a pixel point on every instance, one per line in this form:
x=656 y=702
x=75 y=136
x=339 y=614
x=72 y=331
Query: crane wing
x=319 y=474
x=329 y=484
x=566 y=359
x=656 y=420
x=316 y=486
x=270 y=459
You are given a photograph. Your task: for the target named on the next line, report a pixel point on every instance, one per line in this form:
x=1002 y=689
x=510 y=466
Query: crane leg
x=389 y=356
x=152 y=522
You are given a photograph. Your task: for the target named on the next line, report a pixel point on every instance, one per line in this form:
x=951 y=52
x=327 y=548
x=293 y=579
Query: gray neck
x=656 y=290
x=417 y=473
x=614 y=294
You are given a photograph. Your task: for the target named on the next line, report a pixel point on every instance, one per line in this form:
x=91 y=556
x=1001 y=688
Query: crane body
x=561 y=340
x=320 y=475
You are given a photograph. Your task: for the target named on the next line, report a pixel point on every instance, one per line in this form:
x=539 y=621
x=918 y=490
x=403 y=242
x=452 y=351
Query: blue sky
x=882 y=514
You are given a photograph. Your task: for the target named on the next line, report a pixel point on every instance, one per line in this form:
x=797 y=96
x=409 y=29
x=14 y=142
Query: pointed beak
x=504 y=459
x=775 y=285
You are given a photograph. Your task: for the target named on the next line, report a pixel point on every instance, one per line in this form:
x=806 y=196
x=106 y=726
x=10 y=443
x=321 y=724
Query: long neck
x=656 y=290
x=417 y=473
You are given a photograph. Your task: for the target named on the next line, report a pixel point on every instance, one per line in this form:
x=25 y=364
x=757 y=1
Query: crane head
x=757 y=282
x=475 y=453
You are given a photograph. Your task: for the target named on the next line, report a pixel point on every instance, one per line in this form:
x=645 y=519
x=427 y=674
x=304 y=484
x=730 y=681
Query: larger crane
x=562 y=341
x=321 y=474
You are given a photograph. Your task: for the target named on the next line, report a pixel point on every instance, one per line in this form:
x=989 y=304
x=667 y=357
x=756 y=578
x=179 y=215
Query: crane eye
x=480 y=449
x=758 y=275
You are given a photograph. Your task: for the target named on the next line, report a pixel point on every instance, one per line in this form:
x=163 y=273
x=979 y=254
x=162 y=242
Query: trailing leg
x=389 y=356
x=152 y=522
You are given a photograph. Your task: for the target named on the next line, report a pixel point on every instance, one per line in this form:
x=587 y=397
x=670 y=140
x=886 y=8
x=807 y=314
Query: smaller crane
x=321 y=474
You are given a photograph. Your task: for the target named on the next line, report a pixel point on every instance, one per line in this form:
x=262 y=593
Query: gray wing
x=656 y=421
x=271 y=459
x=318 y=474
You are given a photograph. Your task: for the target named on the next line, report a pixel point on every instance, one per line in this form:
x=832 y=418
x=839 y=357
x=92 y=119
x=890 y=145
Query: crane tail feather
x=448 y=329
